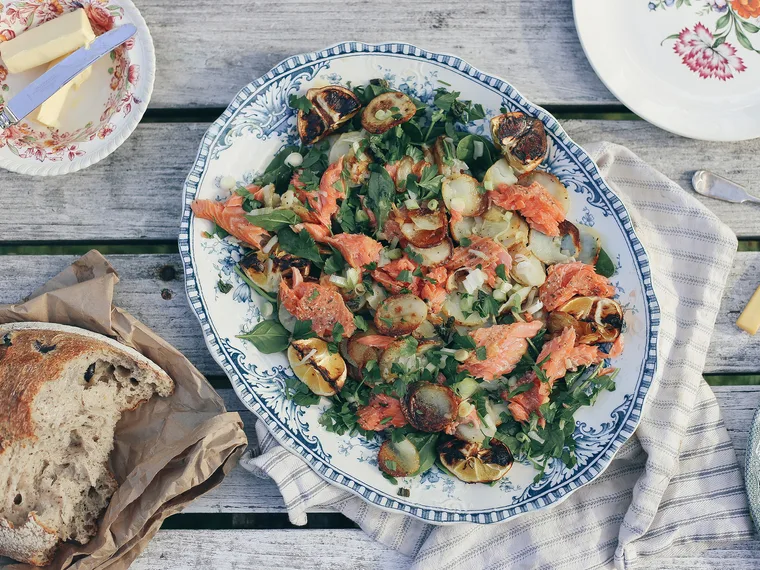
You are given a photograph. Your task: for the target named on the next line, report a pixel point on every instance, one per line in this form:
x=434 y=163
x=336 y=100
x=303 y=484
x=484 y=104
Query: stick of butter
x=49 y=112
x=47 y=41
x=749 y=320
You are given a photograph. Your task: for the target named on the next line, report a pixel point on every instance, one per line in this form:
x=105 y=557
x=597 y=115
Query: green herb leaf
x=335 y=263
x=480 y=353
x=501 y=271
x=274 y=221
x=223 y=287
x=300 y=244
x=303 y=330
x=337 y=332
x=604 y=265
x=268 y=337
x=268 y=296
x=380 y=191
x=360 y=323
x=300 y=103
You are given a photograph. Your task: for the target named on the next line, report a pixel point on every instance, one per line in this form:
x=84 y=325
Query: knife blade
x=46 y=85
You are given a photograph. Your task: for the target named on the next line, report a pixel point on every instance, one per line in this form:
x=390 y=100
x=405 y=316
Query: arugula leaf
x=303 y=330
x=300 y=103
x=604 y=265
x=463 y=341
x=278 y=172
x=337 y=332
x=268 y=337
x=274 y=221
x=300 y=244
x=380 y=191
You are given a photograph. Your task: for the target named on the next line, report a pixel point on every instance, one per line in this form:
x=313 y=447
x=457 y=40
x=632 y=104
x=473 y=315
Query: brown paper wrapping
x=167 y=452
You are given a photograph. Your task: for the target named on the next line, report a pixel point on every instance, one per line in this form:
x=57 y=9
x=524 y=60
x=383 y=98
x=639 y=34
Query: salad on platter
x=426 y=280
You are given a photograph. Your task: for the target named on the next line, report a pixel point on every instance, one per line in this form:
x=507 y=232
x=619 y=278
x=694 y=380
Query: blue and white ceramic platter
x=242 y=142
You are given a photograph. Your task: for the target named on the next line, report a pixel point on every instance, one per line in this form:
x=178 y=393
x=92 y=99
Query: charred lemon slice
x=521 y=139
x=471 y=463
x=398 y=459
x=386 y=111
x=595 y=319
x=333 y=105
x=324 y=373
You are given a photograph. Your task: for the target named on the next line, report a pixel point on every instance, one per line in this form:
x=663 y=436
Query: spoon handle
x=714 y=186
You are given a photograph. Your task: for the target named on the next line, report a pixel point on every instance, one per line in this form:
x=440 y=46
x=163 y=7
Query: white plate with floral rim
x=101 y=114
x=691 y=67
x=241 y=143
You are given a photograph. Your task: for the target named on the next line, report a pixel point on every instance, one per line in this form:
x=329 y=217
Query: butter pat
x=749 y=320
x=47 y=42
x=49 y=113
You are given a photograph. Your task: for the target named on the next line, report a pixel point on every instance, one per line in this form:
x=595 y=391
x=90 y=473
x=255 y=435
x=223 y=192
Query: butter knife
x=714 y=186
x=46 y=85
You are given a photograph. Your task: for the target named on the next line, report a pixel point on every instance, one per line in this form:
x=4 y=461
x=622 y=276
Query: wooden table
x=128 y=207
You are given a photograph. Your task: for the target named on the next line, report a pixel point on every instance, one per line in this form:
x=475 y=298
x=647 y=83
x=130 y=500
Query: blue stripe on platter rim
x=594 y=180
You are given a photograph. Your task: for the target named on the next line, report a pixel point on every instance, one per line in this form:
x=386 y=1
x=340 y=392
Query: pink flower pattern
x=696 y=50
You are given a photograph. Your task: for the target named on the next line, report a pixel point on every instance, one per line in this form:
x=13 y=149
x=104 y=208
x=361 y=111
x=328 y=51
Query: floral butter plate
x=101 y=113
x=691 y=67
x=242 y=142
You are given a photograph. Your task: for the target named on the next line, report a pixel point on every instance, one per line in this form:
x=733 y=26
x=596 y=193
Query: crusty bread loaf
x=62 y=390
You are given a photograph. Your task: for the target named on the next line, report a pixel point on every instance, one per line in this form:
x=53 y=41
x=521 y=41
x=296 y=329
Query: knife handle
x=7 y=118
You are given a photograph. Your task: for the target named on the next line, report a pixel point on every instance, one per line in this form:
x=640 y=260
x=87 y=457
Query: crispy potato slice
x=464 y=194
x=430 y=407
x=398 y=459
x=436 y=254
x=399 y=315
x=552 y=185
x=386 y=111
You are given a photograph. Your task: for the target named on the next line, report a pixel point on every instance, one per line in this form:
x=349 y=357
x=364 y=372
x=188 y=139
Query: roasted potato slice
x=499 y=173
x=398 y=459
x=552 y=185
x=444 y=155
x=487 y=428
x=464 y=194
x=521 y=139
x=386 y=111
x=434 y=255
x=358 y=354
x=469 y=462
x=591 y=244
x=430 y=407
x=595 y=319
x=399 y=315
x=324 y=373
x=526 y=269
x=452 y=307
x=332 y=106
x=557 y=249
x=392 y=355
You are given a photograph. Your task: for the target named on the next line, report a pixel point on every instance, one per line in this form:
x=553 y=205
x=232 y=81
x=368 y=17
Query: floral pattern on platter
x=30 y=140
x=239 y=145
x=707 y=53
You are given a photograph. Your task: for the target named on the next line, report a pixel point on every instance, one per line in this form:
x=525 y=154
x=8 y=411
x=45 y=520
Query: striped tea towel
x=675 y=483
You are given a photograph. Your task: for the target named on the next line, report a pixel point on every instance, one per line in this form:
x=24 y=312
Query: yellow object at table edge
x=749 y=320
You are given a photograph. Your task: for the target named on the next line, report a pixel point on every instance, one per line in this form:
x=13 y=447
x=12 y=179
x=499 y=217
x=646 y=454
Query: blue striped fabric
x=675 y=485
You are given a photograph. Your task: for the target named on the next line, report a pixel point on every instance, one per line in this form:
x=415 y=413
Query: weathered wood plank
x=208 y=50
x=255 y=549
x=135 y=192
x=162 y=304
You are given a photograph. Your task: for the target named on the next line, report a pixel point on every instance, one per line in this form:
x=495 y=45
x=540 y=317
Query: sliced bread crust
x=62 y=391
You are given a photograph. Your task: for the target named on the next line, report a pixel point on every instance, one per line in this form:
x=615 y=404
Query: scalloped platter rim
x=240 y=144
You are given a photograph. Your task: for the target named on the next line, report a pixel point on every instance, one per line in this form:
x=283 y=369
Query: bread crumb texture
x=61 y=395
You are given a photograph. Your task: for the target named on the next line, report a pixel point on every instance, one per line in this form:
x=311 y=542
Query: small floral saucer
x=691 y=67
x=101 y=114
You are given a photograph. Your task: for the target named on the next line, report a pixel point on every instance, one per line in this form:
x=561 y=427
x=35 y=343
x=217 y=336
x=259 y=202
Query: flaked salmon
x=482 y=252
x=388 y=275
x=357 y=249
x=320 y=303
x=540 y=209
x=322 y=202
x=380 y=341
x=230 y=216
x=567 y=280
x=557 y=357
x=505 y=346
x=381 y=413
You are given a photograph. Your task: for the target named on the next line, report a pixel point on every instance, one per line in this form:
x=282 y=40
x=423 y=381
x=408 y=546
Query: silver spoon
x=714 y=186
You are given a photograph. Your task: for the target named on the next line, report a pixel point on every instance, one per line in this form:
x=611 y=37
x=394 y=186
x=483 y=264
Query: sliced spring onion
x=361 y=216
x=411 y=204
x=465 y=409
x=352 y=277
x=227 y=183
x=294 y=159
x=341 y=282
x=394 y=254
x=432 y=204
x=260 y=211
x=488 y=185
x=474 y=281
x=461 y=355
x=270 y=244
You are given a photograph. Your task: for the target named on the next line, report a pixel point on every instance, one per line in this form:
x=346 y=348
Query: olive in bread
x=62 y=391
